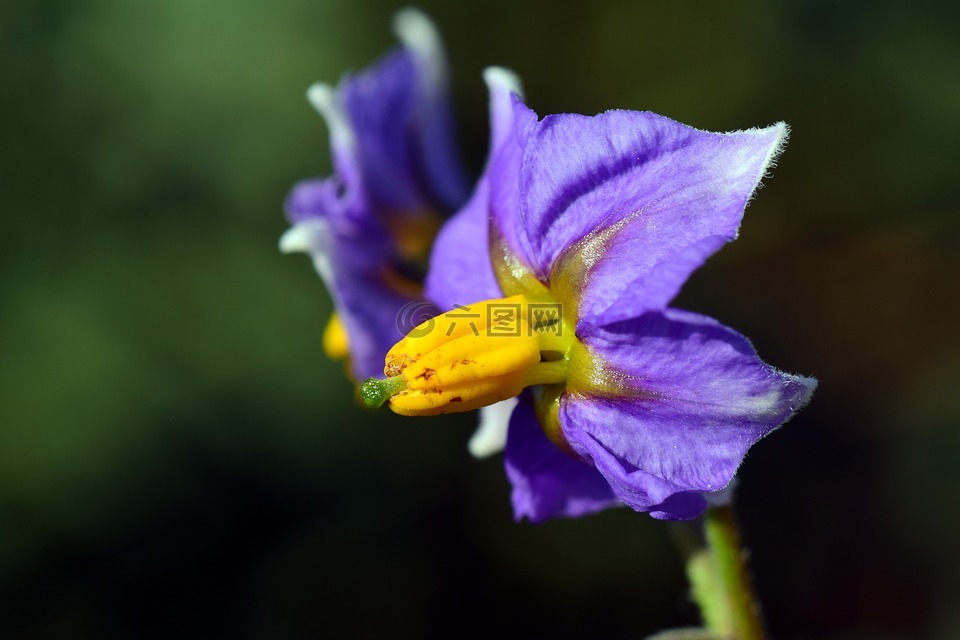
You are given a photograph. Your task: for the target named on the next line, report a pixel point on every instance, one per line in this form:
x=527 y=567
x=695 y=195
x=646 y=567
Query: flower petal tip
x=782 y=131
x=323 y=99
x=296 y=239
x=320 y=96
x=420 y=37
x=810 y=385
x=310 y=236
x=414 y=28
x=502 y=79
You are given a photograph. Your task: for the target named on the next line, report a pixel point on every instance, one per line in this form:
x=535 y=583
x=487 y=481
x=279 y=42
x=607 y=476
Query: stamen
x=474 y=356
x=336 y=343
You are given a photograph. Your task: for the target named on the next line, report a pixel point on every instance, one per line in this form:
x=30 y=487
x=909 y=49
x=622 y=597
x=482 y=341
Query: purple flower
x=369 y=227
x=598 y=221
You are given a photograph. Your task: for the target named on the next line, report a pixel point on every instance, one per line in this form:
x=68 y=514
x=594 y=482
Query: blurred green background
x=179 y=459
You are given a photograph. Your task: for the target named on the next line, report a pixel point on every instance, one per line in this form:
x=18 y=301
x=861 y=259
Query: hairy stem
x=720 y=582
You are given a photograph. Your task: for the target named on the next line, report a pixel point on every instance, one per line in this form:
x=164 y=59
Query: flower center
x=413 y=234
x=474 y=356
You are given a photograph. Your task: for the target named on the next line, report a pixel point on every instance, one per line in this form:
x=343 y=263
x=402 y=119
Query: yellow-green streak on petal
x=586 y=374
x=546 y=405
x=571 y=271
x=514 y=277
x=448 y=364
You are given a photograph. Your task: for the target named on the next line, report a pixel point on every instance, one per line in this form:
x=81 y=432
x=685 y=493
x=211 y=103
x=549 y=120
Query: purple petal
x=374 y=313
x=435 y=146
x=460 y=271
x=695 y=209
x=680 y=192
x=638 y=489
x=548 y=483
x=506 y=189
x=702 y=398
x=393 y=147
x=379 y=104
x=327 y=199
x=351 y=251
x=402 y=123
x=347 y=183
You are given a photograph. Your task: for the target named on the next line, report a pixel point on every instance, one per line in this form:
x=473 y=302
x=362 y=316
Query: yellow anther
x=457 y=397
x=473 y=356
x=336 y=344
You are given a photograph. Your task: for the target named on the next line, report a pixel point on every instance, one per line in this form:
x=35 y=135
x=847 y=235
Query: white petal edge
x=323 y=98
x=419 y=36
x=502 y=85
x=310 y=236
x=770 y=162
x=491 y=435
x=503 y=78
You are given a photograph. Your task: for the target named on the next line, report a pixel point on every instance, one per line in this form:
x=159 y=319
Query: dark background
x=179 y=459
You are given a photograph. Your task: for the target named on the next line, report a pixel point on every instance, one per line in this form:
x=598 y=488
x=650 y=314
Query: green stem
x=720 y=582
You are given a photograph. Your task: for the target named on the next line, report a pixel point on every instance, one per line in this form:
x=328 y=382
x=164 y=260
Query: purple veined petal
x=325 y=198
x=368 y=226
x=677 y=234
x=491 y=434
x=680 y=193
x=347 y=219
x=503 y=85
x=399 y=112
x=437 y=155
x=638 y=489
x=505 y=188
x=374 y=318
x=347 y=183
x=547 y=483
x=311 y=198
x=380 y=105
x=460 y=270
x=371 y=311
x=703 y=398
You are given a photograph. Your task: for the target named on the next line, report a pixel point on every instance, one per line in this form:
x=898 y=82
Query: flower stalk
x=720 y=581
